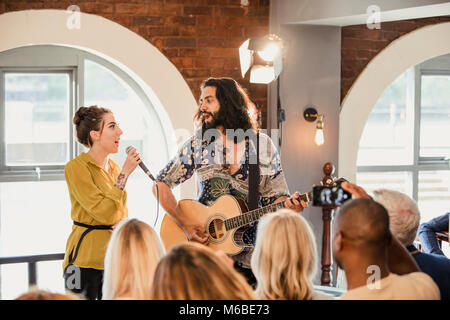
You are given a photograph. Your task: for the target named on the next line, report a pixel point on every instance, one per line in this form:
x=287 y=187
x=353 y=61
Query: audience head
x=192 y=271
x=361 y=230
x=89 y=119
x=132 y=255
x=404 y=216
x=39 y=294
x=285 y=256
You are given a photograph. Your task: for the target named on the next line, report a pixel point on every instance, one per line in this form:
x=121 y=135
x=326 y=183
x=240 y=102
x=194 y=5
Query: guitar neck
x=254 y=215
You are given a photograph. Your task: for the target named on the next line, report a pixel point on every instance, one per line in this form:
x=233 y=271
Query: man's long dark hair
x=233 y=112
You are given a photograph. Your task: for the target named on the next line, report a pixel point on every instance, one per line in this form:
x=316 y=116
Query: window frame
x=420 y=164
x=54 y=58
x=46 y=172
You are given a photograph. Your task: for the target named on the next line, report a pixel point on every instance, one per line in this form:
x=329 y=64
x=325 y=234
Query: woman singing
x=97 y=192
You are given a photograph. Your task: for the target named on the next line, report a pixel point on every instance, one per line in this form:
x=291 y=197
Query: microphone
x=142 y=165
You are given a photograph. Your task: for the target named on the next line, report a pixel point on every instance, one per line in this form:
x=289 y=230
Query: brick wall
x=200 y=37
x=360 y=45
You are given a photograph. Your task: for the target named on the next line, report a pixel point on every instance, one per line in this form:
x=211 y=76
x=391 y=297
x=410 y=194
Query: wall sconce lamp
x=310 y=114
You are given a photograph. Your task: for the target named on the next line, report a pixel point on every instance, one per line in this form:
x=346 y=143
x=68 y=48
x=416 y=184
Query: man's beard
x=213 y=123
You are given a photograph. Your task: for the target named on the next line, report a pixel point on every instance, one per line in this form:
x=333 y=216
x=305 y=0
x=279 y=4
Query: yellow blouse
x=95 y=201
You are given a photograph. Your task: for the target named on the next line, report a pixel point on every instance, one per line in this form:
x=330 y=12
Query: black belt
x=89 y=229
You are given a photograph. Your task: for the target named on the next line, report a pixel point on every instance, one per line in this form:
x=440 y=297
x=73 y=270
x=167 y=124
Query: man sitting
x=375 y=263
x=404 y=219
x=427 y=233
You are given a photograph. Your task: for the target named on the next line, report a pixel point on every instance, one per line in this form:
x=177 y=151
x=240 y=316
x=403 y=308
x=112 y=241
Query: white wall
x=311 y=75
x=332 y=11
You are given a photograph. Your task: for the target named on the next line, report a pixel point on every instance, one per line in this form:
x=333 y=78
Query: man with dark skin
x=363 y=243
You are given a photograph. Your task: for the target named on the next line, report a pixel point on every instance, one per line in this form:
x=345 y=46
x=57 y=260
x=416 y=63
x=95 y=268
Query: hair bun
x=80 y=115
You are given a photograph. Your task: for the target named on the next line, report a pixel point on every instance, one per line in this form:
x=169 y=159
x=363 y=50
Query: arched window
x=40 y=89
x=405 y=145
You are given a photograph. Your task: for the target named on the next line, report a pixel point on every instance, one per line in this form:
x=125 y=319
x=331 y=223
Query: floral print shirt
x=206 y=160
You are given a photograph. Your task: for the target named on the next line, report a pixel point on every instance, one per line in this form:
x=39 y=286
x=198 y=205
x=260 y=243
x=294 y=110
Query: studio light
x=266 y=65
x=262 y=57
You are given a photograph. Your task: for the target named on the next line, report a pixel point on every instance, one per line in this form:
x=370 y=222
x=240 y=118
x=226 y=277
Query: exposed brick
x=211 y=42
x=229 y=11
x=194 y=52
x=224 y=52
x=180 y=42
x=171 y=9
x=151 y=31
x=361 y=44
x=23 y=5
x=349 y=53
x=196 y=73
x=362 y=33
x=146 y=20
x=125 y=20
x=132 y=8
x=155 y=9
x=198 y=32
x=390 y=35
x=405 y=26
x=98 y=8
x=200 y=37
x=367 y=54
x=258 y=31
x=209 y=62
x=233 y=42
x=181 y=62
x=170 y=53
x=348 y=73
x=198 y=10
x=220 y=72
x=181 y=20
x=188 y=2
x=206 y=21
x=157 y=42
x=379 y=45
x=232 y=63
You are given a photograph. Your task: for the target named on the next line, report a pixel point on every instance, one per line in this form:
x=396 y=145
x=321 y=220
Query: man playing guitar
x=221 y=162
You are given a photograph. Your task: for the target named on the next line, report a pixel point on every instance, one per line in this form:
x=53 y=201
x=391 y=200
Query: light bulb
x=319 y=137
x=269 y=52
x=319 y=131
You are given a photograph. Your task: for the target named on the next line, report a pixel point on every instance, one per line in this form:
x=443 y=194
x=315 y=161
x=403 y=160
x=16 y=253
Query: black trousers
x=247 y=273
x=89 y=284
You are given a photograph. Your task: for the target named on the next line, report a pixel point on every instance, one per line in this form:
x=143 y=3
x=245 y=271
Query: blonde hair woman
x=284 y=259
x=194 y=272
x=131 y=259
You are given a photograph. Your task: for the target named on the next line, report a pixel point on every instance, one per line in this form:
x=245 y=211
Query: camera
x=330 y=196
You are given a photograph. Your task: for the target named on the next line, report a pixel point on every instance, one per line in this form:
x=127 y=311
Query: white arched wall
x=159 y=78
x=413 y=48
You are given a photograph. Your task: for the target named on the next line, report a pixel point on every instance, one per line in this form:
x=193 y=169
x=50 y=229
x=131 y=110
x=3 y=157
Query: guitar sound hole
x=216 y=229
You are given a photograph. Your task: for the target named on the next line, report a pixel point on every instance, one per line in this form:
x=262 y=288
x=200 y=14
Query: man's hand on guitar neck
x=292 y=202
x=196 y=232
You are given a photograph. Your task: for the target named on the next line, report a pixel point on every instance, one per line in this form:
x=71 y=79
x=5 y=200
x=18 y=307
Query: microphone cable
x=148 y=173
x=157 y=204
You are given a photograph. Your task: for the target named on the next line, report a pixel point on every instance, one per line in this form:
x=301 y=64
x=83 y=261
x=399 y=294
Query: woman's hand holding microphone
x=131 y=162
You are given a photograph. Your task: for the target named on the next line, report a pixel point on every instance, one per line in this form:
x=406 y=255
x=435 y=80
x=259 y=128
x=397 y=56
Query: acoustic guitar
x=225 y=221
